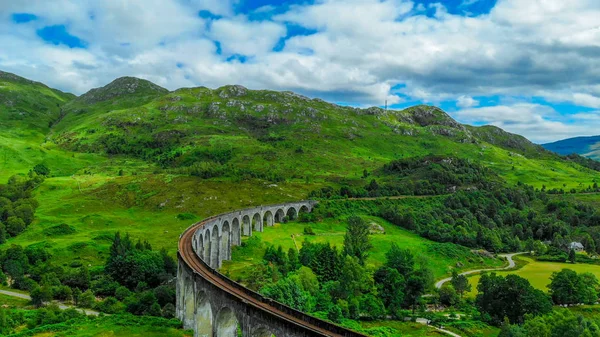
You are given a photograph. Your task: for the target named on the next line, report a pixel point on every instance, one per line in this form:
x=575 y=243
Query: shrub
x=86 y=299
x=308 y=231
x=62 y=229
x=186 y=216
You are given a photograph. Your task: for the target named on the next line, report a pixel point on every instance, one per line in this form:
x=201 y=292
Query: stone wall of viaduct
x=213 y=305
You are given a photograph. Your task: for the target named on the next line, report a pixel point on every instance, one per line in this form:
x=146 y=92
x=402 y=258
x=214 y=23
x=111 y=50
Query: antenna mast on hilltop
x=386 y=105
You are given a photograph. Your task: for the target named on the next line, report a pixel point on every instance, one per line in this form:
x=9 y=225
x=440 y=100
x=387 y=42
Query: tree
x=400 y=259
x=335 y=314
x=41 y=169
x=416 y=284
x=390 y=287
x=86 y=299
x=449 y=296
x=589 y=244
x=371 y=307
x=572 y=256
x=588 y=289
x=2 y=233
x=356 y=240
x=460 y=283
x=39 y=295
x=14 y=225
x=564 y=287
x=511 y=296
x=168 y=311
x=354 y=279
x=568 y=287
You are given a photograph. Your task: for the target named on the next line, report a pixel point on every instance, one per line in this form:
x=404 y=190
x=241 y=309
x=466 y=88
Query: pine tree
x=572 y=256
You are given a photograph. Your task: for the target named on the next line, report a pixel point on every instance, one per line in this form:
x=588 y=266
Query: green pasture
x=291 y=235
x=538 y=273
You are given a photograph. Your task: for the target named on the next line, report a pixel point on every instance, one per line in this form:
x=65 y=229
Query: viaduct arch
x=215 y=306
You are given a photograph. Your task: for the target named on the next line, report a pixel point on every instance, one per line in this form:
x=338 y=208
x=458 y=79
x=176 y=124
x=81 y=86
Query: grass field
x=538 y=273
x=113 y=326
x=13 y=302
x=408 y=329
x=290 y=235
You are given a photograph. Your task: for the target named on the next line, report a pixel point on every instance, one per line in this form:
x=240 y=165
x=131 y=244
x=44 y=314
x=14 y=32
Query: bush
x=335 y=314
x=308 y=231
x=62 y=293
x=41 y=169
x=168 y=311
x=62 y=229
x=39 y=295
x=86 y=299
x=186 y=216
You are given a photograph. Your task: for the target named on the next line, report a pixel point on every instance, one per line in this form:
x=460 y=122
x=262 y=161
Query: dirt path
x=509 y=258
x=61 y=305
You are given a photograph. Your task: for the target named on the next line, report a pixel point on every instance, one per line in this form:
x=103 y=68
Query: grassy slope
x=538 y=273
x=265 y=129
x=333 y=231
x=87 y=193
x=13 y=302
x=113 y=326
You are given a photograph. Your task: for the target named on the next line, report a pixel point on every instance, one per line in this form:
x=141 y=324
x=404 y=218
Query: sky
x=530 y=67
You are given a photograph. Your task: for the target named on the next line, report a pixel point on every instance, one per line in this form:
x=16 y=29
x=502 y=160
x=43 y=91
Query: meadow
x=538 y=273
x=105 y=326
x=441 y=258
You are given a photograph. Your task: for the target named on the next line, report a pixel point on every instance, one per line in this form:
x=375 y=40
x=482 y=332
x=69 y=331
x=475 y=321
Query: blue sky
x=530 y=67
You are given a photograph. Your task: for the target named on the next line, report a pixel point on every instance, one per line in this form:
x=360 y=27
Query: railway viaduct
x=213 y=305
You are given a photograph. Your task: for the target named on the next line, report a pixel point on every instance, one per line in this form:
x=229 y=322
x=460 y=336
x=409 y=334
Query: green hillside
x=236 y=132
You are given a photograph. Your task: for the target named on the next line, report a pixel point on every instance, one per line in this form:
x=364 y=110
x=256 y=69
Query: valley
x=136 y=159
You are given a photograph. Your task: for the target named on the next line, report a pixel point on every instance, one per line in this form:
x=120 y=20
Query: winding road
x=509 y=258
x=60 y=304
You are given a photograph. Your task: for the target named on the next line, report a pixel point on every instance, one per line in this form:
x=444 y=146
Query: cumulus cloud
x=356 y=52
x=541 y=123
x=466 y=102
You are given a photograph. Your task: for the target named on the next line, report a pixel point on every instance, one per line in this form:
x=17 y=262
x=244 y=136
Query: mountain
x=240 y=133
x=28 y=106
x=234 y=132
x=122 y=93
x=585 y=146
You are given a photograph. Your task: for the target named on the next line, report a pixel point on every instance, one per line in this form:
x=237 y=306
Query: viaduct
x=213 y=305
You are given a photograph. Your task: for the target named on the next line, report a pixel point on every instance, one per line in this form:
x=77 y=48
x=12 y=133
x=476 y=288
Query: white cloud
x=361 y=49
x=240 y=36
x=539 y=123
x=466 y=102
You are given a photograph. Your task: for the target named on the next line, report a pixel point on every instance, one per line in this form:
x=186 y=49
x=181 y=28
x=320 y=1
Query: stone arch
x=207 y=247
x=247 y=225
x=304 y=209
x=257 y=222
x=268 y=219
x=262 y=332
x=204 y=317
x=189 y=302
x=226 y=323
x=279 y=215
x=291 y=213
x=225 y=241
x=236 y=237
x=214 y=248
x=200 y=246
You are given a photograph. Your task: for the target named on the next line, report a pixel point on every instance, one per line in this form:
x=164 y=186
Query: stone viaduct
x=213 y=305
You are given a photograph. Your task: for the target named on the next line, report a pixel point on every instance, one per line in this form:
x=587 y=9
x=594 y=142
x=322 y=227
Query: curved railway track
x=202 y=269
